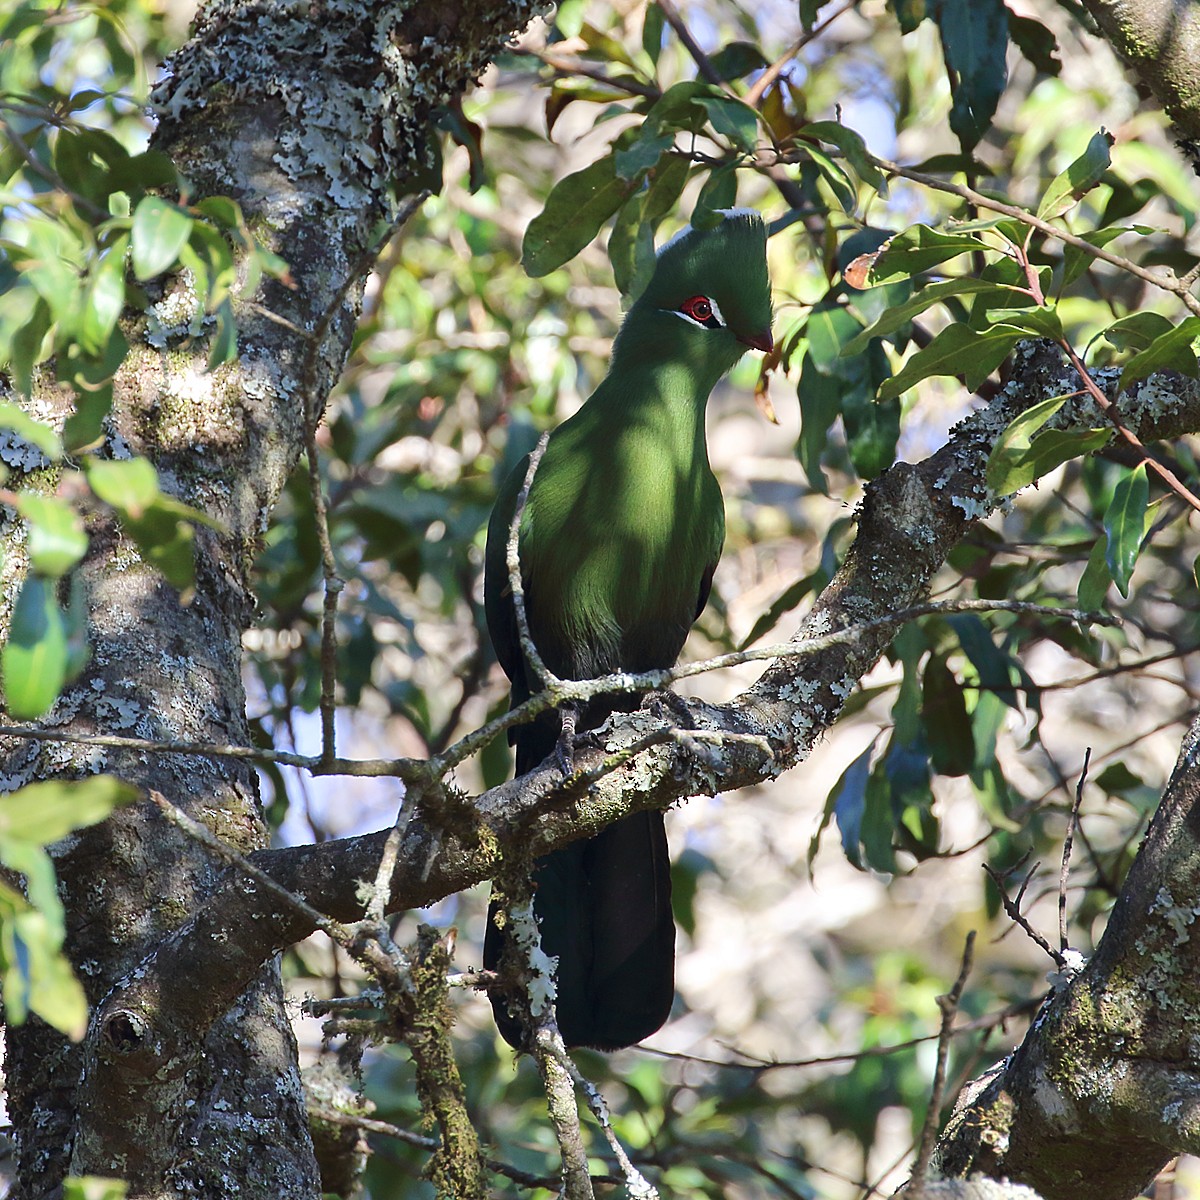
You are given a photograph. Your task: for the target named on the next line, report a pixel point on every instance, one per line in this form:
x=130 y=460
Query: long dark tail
x=604 y=906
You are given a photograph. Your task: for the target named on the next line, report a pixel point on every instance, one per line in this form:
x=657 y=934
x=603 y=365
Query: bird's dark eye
x=699 y=308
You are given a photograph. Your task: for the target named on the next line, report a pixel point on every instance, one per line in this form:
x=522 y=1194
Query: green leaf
x=1125 y=526
x=1070 y=186
x=130 y=485
x=848 y=802
x=631 y=249
x=1076 y=261
x=1094 y=581
x=160 y=524
x=1025 y=452
x=853 y=147
x=575 y=209
x=993 y=666
x=737 y=59
x=28 y=317
x=829 y=327
x=1037 y=43
x=34 y=660
x=957 y=350
x=820 y=397
x=975 y=43
x=1170 y=351
x=642 y=153
x=159 y=232
x=718 y=193
x=34 y=432
x=1040 y=321
x=1137 y=331
x=835 y=176
x=914 y=250
x=872 y=431
x=42 y=813
x=56 y=538
x=223 y=347
x=899 y=315
x=105 y=298
x=944 y=716
x=732 y=119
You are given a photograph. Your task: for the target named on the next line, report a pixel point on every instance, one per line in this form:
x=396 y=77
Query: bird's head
x=709 y=294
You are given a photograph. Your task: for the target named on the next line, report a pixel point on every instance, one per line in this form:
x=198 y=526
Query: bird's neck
x=664 y=399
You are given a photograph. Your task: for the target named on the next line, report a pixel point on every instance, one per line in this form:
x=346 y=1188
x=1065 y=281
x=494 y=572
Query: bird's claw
x=564 y=750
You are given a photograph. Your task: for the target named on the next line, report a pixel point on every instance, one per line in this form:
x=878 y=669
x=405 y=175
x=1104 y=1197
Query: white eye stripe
x=716 y=311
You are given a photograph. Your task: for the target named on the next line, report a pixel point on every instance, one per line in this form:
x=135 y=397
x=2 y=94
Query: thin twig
x=333 y=582
x=572 y=66
x=762 y=1065
x=949 y=1006
x=205 y=836
x=759 y=88
x=636 y=1185
x=424 y=1142
x=420 y=771
x=512 y=558
x=1065 y=869
x=1167 y=283
x=703 y=63
x=1013 y=909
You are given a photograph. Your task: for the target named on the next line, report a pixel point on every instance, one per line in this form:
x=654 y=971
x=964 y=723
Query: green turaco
x=619 y=538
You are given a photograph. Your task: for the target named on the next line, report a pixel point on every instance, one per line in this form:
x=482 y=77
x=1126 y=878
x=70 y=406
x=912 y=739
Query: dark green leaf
x=1008 y=468
x=849 y=801
x=718 y=193
x=820 y=397
x=631 y=249
x=653 y=24
x=642 y=153
x=1170 y=351
x=575 y=209
x=910 y=13
x=223 y=347
x=829 y=327
x=1041 y=321
x=835 y=176
x=1037 y=43
x=1076 y=261
x=899 y=315
x=732 y=119
x=1137 y=331
x=853 y=147
x=1070 y=186
x=1093 y=583
x=737 y=59
x=957 y=350
x=872 y=431
x=35 y=656
x=914 y=250
x=947 y=724
x=992 y=665
x=159 y=231
x=1125 y=526
x=975 y=43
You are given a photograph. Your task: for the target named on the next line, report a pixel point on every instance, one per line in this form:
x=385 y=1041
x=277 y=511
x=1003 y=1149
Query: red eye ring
x=699 y=308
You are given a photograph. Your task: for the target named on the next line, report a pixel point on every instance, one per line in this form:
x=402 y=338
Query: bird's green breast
x=624 y=523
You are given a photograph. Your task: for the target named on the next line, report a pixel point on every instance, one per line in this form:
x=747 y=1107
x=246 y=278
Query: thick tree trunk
x=315 y=124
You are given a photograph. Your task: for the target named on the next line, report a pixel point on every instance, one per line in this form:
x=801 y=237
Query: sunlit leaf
x=159 y=232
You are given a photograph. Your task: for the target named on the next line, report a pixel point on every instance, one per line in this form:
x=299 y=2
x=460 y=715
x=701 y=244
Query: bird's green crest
x=727 y=262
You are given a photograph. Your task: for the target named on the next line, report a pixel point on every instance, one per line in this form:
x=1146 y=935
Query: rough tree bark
x=314 y=122
x=187 y=1082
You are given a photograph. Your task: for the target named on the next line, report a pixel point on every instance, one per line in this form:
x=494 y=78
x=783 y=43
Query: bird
x=618 y=540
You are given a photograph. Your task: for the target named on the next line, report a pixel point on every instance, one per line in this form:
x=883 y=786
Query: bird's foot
x=564 y=750
x=669 y=706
